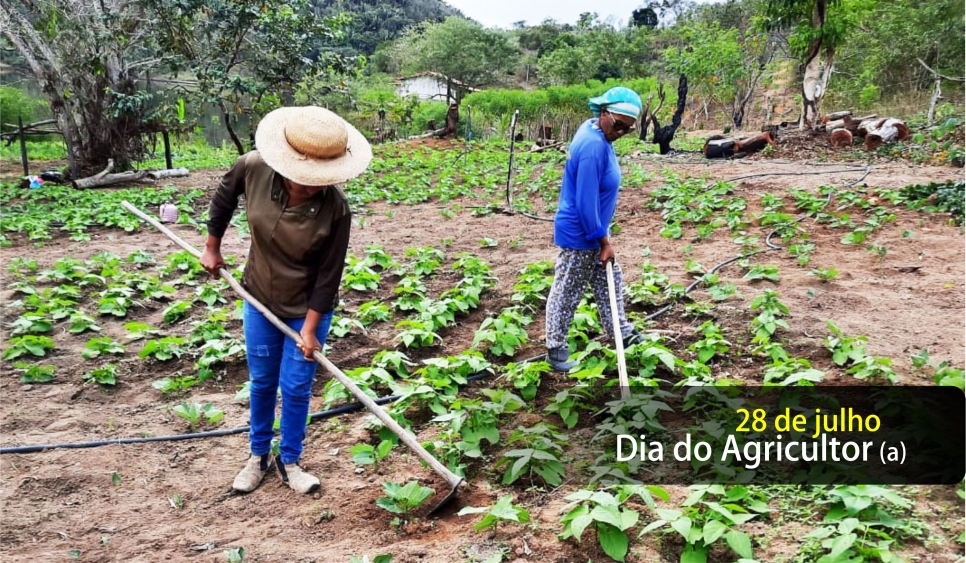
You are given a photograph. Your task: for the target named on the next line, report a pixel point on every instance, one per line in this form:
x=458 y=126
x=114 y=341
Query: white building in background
x=431 y=86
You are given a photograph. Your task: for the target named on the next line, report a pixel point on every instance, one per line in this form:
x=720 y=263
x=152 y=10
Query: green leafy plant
x=218 y=351
x=533 y=283
x=194 y=412
x=504 y=334
x=359 y=276
x=367 y=454
x=526 y=377
x=824 y=274
x=31 y=324
x=28 y=344
x=713 y=342
x=138 y=330
x=342 y=326
x=174 y=384
x=163 y=349
x=566 y=404
x=383 y=558
x=416 y=333
x=860 y=525
x=115 y=301
x=104 y=375
x=103 y=345
x=702 y=521
x=209 y=294
x=503 y=511
x=604 y=511
x=426 y=260
x=373 y=312
x=769 y=318
x=81 y=322
x=403 y=499
x=176 y=311
x=844 y=349
x=411 y=292
x=870 y=367
x=540 y=456
x=33 y=373
x=763 y=272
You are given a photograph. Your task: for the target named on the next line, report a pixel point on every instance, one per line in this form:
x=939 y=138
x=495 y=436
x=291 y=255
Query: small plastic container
x=169 y=213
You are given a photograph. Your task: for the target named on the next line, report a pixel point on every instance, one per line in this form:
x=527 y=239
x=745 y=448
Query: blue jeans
x=274 y=362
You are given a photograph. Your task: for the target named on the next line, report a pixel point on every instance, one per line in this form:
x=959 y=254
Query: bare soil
x=62 y=505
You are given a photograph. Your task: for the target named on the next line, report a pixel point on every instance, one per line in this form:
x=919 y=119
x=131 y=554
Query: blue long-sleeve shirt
x=588 y=198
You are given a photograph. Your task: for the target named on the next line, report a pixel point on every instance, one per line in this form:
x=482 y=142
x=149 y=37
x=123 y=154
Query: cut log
x=109 y=179
x=833 y=125
x=754 y=144
x=888 y=131
x=835 y=116
x=867 y=124
x=169 y=173
x=852 y=123
x=719 y=146
x=841 y=138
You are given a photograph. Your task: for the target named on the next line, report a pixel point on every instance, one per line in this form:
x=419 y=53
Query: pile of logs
x=843 y=128
x=719 y=146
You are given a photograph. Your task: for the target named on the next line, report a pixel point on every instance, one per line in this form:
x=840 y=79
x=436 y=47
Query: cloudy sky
x=502 y=13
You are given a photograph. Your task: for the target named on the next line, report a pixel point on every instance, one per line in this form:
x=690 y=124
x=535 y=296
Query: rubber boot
x=558 y=359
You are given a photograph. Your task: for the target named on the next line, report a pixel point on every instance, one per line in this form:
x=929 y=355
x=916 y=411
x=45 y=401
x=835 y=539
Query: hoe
x=451 y=478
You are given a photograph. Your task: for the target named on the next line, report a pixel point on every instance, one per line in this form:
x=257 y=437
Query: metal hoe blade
x=451 y=478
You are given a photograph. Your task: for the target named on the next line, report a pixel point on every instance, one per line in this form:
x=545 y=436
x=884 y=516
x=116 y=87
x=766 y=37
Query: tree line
x=116 y=71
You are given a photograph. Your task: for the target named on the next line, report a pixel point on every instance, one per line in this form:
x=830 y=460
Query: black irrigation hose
x=344 y=409
x=853 y=169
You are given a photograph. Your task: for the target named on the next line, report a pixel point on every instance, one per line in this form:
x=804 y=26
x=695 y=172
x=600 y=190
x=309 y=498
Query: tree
x=597 y=52
x=644 y=17
x=881 y=55
x=818 y=28
x=117 y=70
x=461 y=50
x=724 y=65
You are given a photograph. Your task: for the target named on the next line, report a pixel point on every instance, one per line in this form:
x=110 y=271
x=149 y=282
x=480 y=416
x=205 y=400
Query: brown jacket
x=297 y=254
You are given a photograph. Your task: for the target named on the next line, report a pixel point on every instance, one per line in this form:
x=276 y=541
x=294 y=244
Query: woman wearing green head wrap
x=588 y=199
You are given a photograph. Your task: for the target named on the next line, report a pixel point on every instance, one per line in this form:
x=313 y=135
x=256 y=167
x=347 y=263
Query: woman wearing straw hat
x=581 y=227
x=299 y=221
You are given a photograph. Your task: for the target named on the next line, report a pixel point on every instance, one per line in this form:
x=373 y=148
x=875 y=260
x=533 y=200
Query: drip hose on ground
x=344 y=409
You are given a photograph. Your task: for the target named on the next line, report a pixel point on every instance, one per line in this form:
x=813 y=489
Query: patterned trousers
x=574 y=269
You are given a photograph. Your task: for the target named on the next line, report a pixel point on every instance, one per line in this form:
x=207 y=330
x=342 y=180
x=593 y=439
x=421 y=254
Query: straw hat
x=312 y=146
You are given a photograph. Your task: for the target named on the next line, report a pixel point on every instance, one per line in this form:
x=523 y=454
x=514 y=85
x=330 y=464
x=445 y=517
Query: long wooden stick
x=453 y=479
x=618 y=337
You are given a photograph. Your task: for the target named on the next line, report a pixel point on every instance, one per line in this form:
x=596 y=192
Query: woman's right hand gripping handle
x=211 y=257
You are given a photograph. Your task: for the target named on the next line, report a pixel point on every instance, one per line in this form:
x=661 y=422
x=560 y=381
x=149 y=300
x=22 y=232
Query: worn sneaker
x=252 y=474
x=633 y=338
x=559 y=360
x=298 y=480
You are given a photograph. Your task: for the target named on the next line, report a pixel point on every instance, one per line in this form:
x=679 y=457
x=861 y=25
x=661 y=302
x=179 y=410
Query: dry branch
x=169 y=173
x=110 y=179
